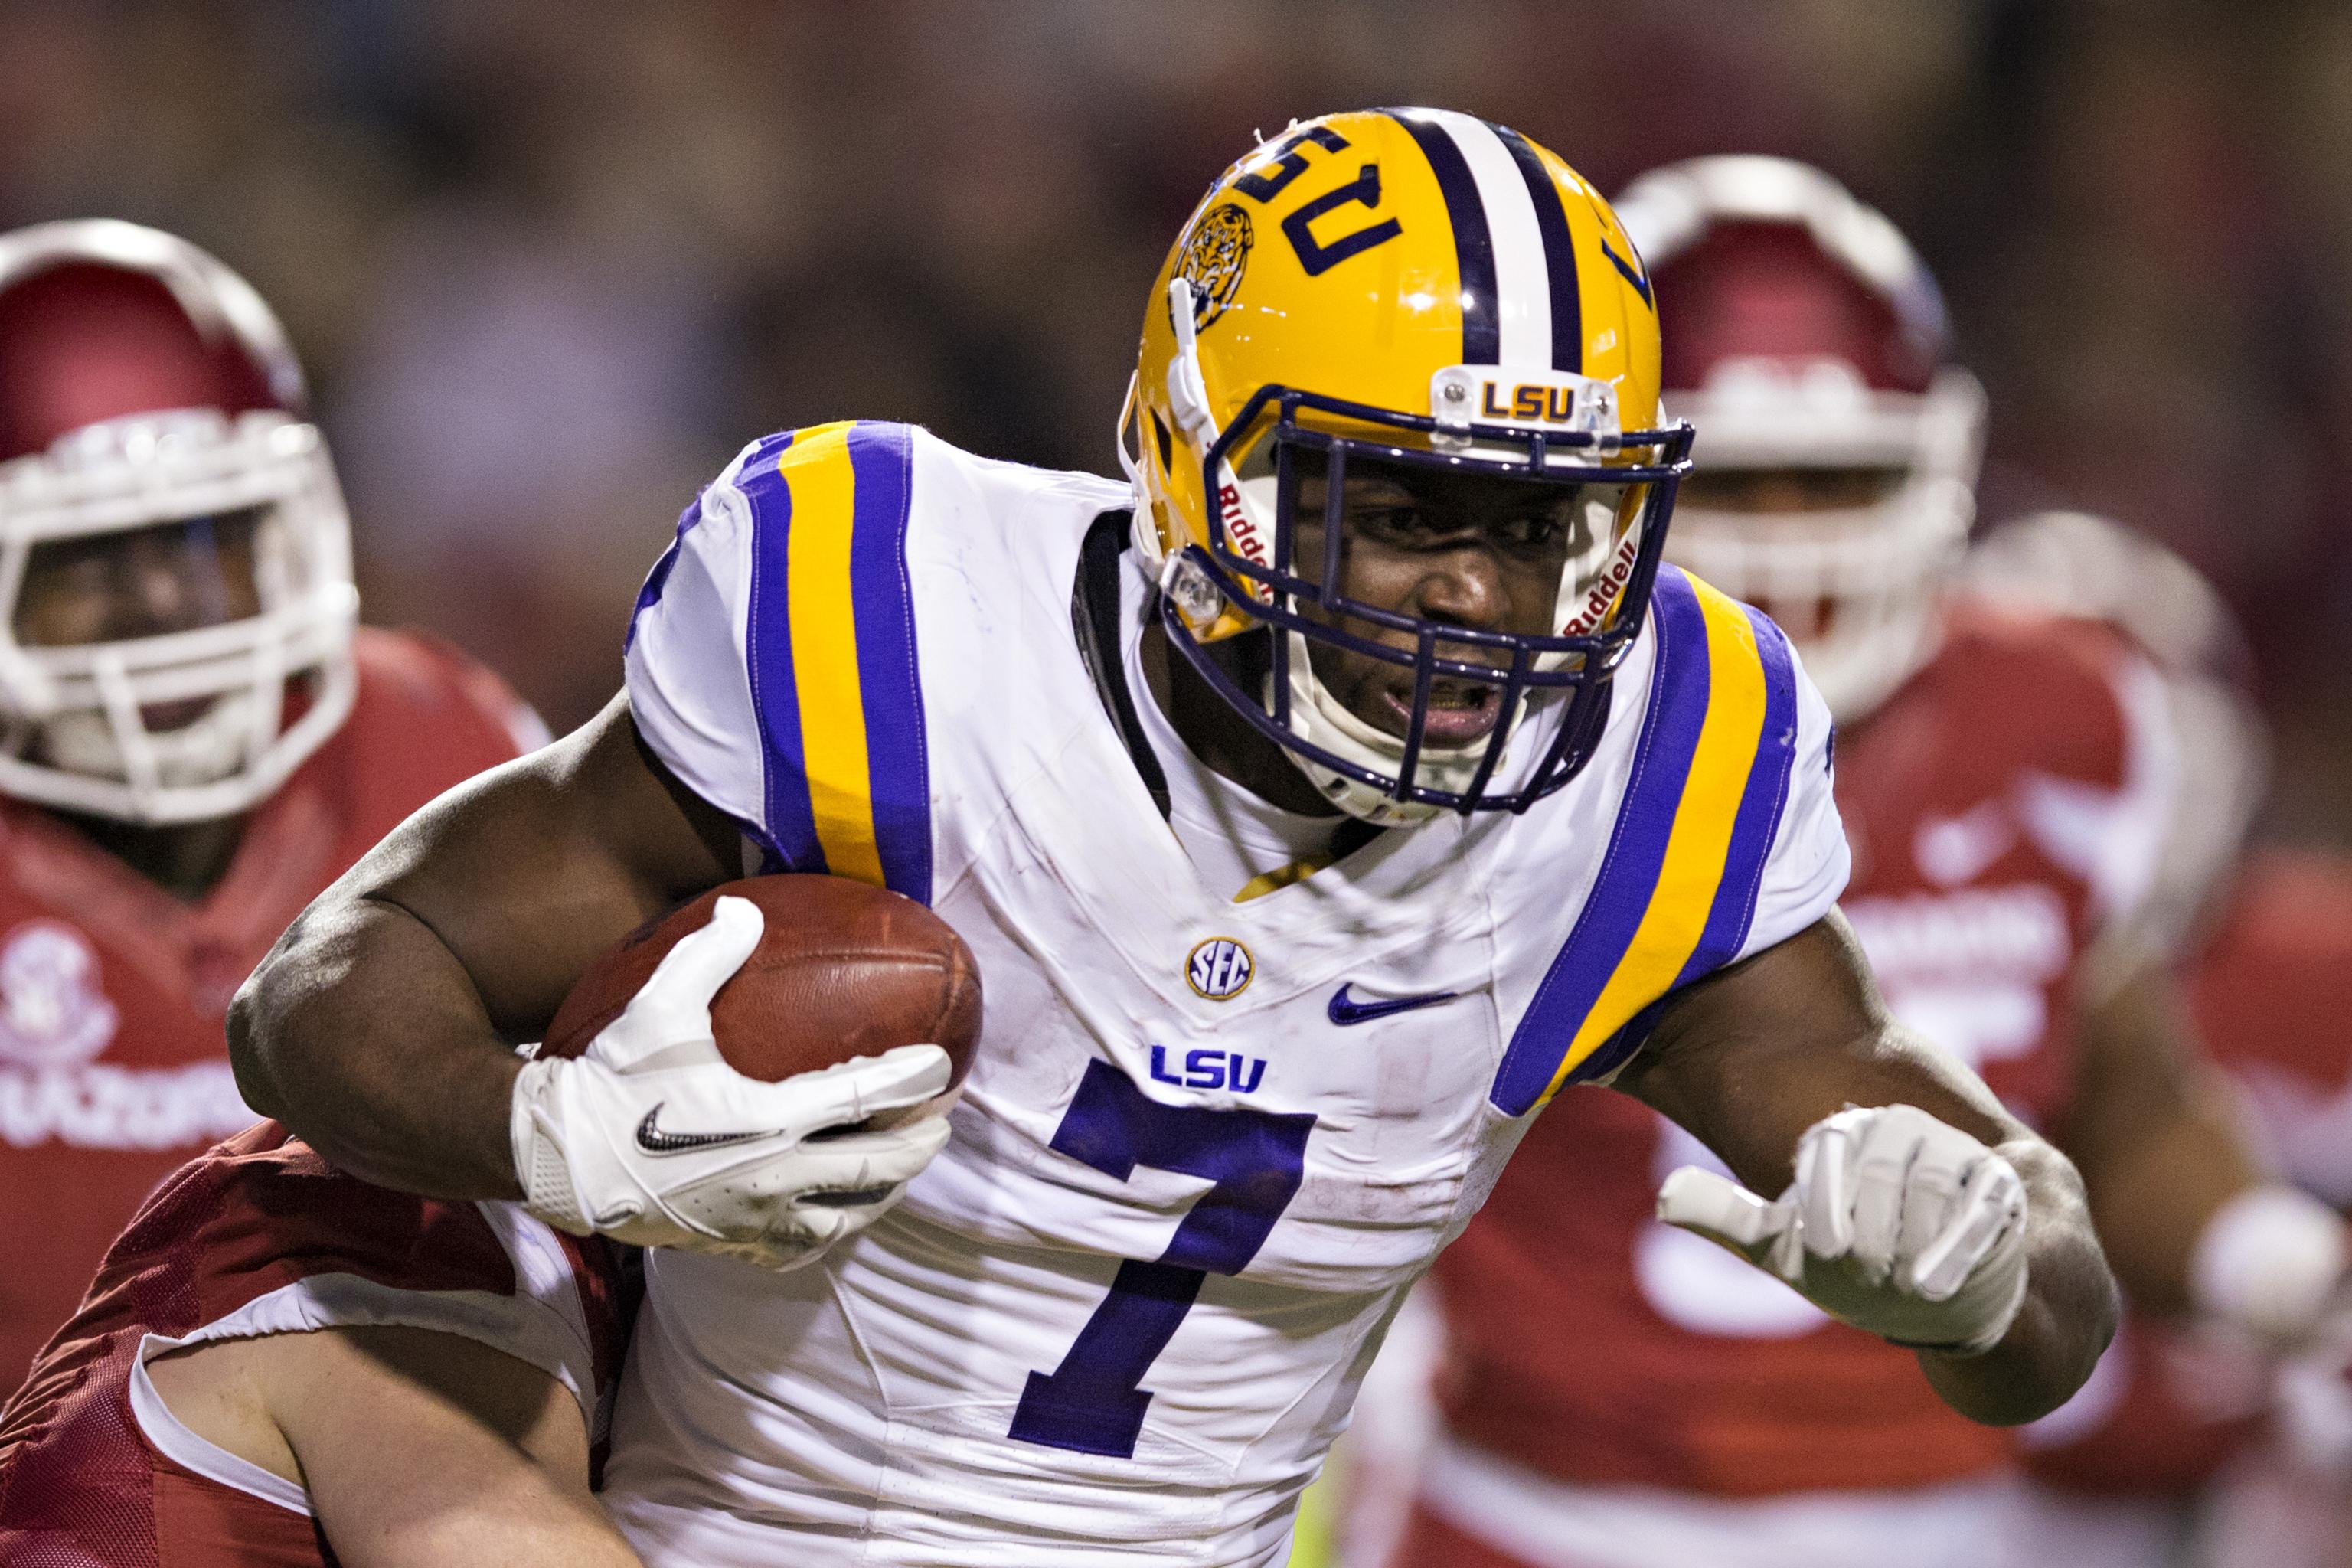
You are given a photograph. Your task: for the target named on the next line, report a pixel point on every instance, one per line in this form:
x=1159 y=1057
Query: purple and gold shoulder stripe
x=832 y=655
x=1679 y=885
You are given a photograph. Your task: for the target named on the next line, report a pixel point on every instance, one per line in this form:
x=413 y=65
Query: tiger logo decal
x=1213 y=258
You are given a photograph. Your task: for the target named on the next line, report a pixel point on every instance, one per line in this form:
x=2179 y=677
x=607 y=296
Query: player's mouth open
x=1459 y=711
x=162 y=718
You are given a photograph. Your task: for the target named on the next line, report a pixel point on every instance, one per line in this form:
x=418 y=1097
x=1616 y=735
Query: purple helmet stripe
x=1473 y=244
x=1560 y=252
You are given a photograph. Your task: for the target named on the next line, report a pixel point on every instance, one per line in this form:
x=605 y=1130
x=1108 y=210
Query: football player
x=2116 y=1471
x=193 y=739
x=1317 y=806
x=2273 y=990
x=2183 y=1435
x=280 y=1366
x=2014 y=792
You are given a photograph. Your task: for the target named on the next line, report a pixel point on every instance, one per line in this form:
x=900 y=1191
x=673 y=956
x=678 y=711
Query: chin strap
x=1130 y=462
x=1188 y=390
x=1095 y=618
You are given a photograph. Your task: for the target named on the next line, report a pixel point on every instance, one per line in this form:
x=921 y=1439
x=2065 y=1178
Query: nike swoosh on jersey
x=1344 y=1010
x=654 y=1140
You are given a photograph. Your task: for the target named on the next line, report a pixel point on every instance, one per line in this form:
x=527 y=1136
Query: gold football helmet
x=1406 y=287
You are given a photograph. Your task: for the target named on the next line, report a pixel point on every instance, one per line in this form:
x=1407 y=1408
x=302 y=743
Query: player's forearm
x=2068 y=1315
x=519 y=1531
x=2153 y=1195
x=511 y=1515
x=465 y=1454
x=362 y=1033
x=379 y=1028
x=2160 y=1150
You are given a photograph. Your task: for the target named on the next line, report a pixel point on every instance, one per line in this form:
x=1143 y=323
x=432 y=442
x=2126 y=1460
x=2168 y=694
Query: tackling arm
x=416 y=1447
x=1755 y=1059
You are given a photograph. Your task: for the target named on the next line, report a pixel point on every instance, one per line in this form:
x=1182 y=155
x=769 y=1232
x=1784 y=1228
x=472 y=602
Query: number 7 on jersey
x=1094 y=1402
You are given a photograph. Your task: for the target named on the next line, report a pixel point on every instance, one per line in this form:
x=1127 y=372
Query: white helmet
x=1805 y=334
x=144 y=385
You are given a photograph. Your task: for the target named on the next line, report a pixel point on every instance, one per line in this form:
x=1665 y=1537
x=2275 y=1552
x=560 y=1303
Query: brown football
x=843 y=969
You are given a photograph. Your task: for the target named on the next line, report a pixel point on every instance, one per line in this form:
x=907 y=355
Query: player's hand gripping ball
x=759 y=1075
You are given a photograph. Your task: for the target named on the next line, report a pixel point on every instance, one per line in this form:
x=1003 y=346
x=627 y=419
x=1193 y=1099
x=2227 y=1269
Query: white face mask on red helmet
x=145 y=386
x=1803 y=334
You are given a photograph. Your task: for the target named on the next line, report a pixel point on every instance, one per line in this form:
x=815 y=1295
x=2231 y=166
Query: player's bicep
x=419 y=1447
x=1749 y=1058
x=528 y=872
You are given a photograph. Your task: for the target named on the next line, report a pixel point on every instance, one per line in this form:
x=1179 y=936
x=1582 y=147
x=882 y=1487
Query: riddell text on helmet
x=1604 y=590
x=1239 y=528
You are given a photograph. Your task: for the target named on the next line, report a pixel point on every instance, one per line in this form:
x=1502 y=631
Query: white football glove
x=1897 y=1223
x=650 y=1138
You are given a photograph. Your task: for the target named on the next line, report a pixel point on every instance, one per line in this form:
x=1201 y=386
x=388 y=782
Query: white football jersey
x=1205 y=1144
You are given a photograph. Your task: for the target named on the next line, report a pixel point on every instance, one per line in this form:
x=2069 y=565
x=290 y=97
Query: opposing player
x=2231 y=1449
x=2272 y=990
x=2117 y=1475
x=2012 y=783
x=193 y=740
x=1366 y=787
x=281 y=1367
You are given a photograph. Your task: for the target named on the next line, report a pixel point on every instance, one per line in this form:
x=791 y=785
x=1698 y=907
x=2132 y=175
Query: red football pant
x=1431 y=1541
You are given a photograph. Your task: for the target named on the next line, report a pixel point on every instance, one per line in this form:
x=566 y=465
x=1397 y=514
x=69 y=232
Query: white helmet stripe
x=1560 y=252
x=1522 y=272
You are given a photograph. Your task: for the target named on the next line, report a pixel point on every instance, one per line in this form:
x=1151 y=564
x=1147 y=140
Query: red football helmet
x=1837 y=451
x=148 y=401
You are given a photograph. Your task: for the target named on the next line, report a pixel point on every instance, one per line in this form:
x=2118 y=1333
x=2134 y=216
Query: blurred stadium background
x=550 y=261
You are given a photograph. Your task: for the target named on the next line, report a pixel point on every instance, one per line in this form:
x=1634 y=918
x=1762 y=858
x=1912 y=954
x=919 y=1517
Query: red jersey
x=2272 y=998
x=113 y=1068
x=2004 y=807
x=260 y=1235
x=2271 y=993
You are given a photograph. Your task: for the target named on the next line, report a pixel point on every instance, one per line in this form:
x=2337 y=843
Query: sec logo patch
x=1219 y=968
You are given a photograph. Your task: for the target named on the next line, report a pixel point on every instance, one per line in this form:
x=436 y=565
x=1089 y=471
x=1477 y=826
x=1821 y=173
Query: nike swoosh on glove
x=650 y=1138
x=1897 y=1223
